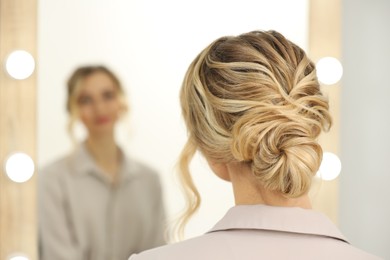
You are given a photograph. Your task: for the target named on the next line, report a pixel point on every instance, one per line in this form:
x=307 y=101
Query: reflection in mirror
x=149 y=44
x=96 y=197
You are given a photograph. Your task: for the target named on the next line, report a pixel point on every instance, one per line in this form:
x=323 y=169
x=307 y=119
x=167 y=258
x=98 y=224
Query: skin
x=99 y=109
x=248 y=191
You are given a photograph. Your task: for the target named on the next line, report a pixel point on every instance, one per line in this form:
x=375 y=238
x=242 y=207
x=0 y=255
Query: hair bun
x=282 y=149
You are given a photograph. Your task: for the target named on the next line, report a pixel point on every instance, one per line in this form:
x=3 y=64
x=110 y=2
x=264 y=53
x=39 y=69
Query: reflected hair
x=74 y=86
x=255 y=99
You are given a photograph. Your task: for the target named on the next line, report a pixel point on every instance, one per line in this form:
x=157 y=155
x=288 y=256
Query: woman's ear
x=220 y=169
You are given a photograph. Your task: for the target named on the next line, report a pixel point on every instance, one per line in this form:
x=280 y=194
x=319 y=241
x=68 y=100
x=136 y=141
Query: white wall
x=365 y=125
x=149 y=44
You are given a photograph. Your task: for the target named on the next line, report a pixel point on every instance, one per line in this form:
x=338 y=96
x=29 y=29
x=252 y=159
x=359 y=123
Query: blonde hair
x=74 y=86
x=254 y=98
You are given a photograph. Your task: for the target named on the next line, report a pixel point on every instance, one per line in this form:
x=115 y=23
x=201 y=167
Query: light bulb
x=329 y=70
x=19 y=167
x=18 y=257
x=20 y=64
x=330 y=167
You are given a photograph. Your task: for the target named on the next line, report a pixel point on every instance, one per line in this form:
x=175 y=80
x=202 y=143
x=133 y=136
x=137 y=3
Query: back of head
x=255 y=98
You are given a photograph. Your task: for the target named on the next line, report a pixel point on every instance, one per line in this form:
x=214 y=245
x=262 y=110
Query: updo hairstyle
x=255 y=99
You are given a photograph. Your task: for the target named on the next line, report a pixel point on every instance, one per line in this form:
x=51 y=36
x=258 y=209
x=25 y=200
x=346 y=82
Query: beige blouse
x=254 y=232
x=83 y=216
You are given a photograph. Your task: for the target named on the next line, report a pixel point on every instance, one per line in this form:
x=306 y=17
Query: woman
x=253 y=107
x=96 y=203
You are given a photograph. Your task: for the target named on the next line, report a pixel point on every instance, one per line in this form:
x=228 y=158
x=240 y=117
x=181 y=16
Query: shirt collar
x=83 y=164
x=285 y=219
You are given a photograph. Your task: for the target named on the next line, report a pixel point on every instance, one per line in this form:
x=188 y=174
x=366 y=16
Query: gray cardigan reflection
x=82 y=216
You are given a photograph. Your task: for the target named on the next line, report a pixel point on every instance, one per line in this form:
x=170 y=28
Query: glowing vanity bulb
x=329 y=70
x=330 y=167
x=20 y=64
x=19 y=167
x=18 y=257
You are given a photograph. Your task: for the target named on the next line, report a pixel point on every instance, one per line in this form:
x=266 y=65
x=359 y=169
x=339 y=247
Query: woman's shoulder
x=207 y=246
x=55 y=167
x=173 y=251
x=218 y=245
x=138 y=167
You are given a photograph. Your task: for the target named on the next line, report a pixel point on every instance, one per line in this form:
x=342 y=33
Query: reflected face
x=98 y=103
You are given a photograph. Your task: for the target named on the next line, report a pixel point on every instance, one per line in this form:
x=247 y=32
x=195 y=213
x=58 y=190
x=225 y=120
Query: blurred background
x=149 y=45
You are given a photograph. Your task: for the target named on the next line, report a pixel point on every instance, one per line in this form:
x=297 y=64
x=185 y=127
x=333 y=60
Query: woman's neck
x=105 y=152
x=247 y=190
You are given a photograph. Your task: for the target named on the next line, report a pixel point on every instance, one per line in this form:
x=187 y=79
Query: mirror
x=149 y=44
